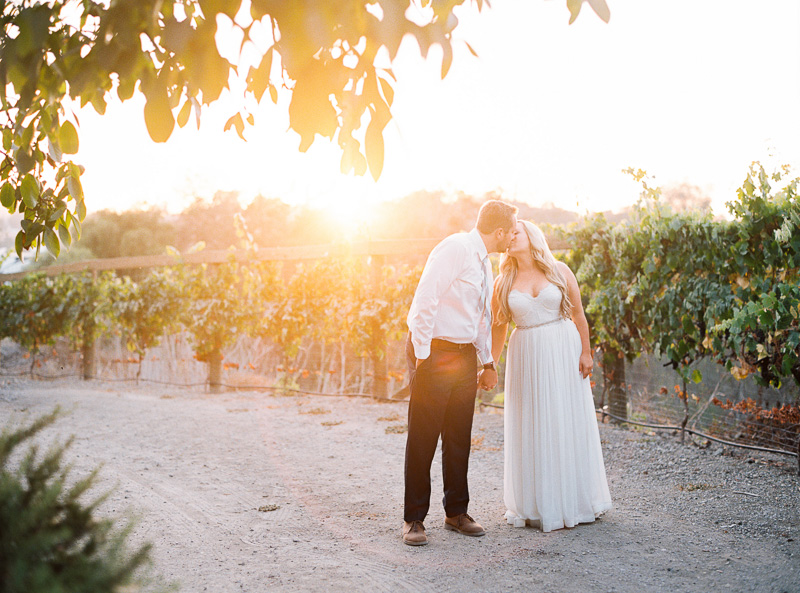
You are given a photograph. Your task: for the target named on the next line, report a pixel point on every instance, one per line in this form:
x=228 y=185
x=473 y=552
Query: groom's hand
x=487 y=379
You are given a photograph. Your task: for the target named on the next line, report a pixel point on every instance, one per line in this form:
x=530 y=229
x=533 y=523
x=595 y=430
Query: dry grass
x=315 y=411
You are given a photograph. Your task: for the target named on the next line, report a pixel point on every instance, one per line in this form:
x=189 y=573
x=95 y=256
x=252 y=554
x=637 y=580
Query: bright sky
x=689 y=90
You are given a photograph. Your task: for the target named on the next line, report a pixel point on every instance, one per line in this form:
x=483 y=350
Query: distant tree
x=133 y=232
x=330 y=55
x=139 y=241
x=423 y=214
x=101 y=235
x=268 y=220
x=209 y=221
x=685 y=197
x=548 y=213
x=309 y=226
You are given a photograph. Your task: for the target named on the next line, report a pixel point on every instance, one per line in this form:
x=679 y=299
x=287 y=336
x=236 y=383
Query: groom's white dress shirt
x=452 y=301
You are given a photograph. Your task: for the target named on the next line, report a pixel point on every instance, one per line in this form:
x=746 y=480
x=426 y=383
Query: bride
x=554 y=475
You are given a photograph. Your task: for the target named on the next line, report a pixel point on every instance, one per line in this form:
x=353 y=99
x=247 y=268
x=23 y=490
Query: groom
x=449 y=322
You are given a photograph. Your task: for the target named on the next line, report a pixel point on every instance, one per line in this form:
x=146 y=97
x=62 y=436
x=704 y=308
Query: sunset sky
x=689 y=90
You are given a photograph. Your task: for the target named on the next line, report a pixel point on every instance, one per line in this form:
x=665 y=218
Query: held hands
x=585 y=365
x=487 y=379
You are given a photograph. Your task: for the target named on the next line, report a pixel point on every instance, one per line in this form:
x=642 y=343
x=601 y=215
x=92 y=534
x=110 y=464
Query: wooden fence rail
x=394 y=247
x=218 y=256
x=378 y=251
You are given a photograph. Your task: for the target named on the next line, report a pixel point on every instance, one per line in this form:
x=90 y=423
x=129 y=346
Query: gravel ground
x=251 y=492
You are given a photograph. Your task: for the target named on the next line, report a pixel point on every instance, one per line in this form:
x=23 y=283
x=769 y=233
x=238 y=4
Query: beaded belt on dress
x=551 y=322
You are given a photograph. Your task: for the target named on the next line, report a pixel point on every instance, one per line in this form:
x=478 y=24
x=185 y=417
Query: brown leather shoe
x=464 y=524
x=414 y=534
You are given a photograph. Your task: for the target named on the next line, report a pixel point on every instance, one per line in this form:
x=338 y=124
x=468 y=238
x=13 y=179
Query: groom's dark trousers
x=443 y=391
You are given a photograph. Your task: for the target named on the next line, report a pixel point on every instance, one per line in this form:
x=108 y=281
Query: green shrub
x=50 y=542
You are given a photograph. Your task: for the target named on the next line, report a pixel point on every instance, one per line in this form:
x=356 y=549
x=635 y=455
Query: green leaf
x=259 y=8
x=68 y=138
x=99 y=103
x=19 y=244
x=30 y=191
x=574 y=7
x=75 y=188
x=310 y=110
x=7 y=196
x=601 y=9
x=8 y=138
x=54 y=150
x=57 y=213
x=185 y=112
x=31 y=228
x=63 y=234
x=157 y=113
x=236 y=122
x=447 y=57
x=697 y=376
x=388 y=91
x=688 y=326
x=80 y=208
x=51 y=242
x=24 y=160
x=126 y=88
x=77 y=225
x=258 y=78
x=33 y=23
x=177 y=34
x=373 y=146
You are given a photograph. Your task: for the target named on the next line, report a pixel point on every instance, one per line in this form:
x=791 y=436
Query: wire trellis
x=331 y=370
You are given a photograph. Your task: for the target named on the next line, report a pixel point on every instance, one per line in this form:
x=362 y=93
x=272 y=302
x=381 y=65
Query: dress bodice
x=528 y=310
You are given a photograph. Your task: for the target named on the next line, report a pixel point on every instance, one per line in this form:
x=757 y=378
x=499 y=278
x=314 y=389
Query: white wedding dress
x=554 y=475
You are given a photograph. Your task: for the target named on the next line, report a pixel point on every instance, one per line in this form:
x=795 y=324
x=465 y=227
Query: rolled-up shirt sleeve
x=442 y=268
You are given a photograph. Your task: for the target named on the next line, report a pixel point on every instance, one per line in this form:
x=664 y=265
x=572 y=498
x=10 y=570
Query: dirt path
x=195 y=469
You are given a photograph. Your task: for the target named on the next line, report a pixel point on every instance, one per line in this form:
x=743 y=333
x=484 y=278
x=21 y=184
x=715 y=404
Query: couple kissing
x=554 y=476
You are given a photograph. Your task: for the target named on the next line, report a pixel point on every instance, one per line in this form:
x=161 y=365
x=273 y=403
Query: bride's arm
x=585 y=363
x=499 y=332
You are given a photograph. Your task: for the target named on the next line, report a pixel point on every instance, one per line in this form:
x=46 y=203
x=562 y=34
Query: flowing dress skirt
x=554 y=475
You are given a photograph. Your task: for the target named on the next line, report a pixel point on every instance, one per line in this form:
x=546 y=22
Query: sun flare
x=351 y=215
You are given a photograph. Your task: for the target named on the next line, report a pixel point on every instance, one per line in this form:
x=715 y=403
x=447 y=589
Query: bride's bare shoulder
x=564 y=269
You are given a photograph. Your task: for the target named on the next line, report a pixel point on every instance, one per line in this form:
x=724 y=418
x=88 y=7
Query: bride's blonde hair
x=543 y=258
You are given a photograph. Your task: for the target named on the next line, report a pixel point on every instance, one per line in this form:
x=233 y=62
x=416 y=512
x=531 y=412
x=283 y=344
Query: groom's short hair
x=496 y=214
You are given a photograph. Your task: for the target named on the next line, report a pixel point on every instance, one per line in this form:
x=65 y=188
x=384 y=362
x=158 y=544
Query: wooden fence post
x=685 y=398
x=380 y=364
x=215 y=371
x=614 y=368
x=88 y=349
